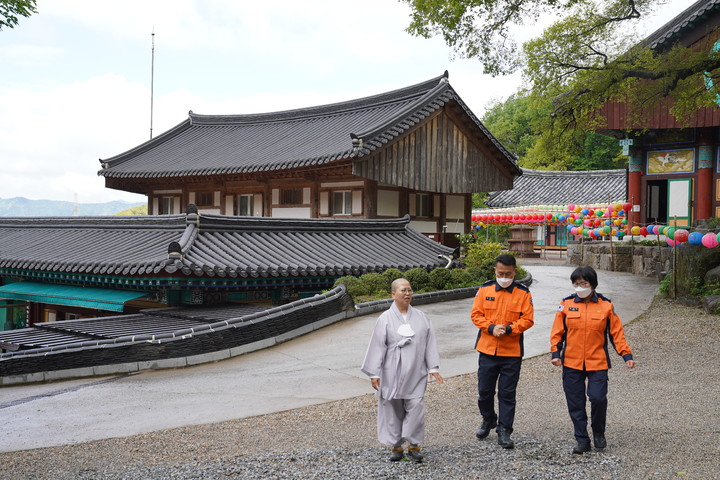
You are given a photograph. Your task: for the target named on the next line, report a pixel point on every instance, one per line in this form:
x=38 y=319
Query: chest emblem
x=491 y=299
x=574 y=309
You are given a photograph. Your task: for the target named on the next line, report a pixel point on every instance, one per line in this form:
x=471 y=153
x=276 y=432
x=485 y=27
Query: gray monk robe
x=401 y=357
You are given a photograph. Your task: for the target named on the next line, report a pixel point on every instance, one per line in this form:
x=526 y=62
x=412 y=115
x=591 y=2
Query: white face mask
x=583 y=292
x=504 y=282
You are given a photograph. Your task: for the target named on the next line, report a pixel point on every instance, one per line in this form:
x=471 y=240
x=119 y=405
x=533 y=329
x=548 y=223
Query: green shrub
x=480 y=275
x=461 y=277
x=375 y=283
x=482 y=254
x=520 y=273
x=439 y=278
x=354 y=285
x=390 y=275
x=419 y=279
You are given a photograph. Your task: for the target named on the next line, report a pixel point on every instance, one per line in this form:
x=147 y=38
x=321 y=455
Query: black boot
x=484 y=429
x=599 y=440
x=504 y=438
x=414 y=454
x=581 y=447
x=396 y=454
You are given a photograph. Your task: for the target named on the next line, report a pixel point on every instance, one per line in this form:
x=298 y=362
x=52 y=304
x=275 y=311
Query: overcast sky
x=75 y=78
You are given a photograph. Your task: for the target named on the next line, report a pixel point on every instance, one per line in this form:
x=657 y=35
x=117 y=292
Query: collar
x=509 y=288
x=592 y=298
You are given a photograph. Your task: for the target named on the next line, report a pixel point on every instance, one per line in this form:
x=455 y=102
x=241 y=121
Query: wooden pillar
x=634 y=184
x=704 y=189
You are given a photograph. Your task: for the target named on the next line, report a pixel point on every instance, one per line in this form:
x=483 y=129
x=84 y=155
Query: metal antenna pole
x=152 y=82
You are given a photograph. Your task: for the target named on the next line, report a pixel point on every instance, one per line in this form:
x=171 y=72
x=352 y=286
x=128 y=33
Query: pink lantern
x=709 y=240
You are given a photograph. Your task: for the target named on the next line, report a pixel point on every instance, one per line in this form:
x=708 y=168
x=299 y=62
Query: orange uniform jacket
x=511 y=307
x=581 y=331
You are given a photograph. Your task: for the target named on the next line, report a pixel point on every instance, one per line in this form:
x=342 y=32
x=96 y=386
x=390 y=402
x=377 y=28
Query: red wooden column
x=634 y=184
x=704 y=189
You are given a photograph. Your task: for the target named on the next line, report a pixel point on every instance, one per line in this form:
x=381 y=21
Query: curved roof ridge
x=393 y=96
x=212 y=221
x=157 y=222
x=145 y=146
x=430 y=95
x=616 y=171
x=679 y=23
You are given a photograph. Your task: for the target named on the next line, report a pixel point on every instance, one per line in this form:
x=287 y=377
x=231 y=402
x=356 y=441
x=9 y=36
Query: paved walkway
x=319 y=367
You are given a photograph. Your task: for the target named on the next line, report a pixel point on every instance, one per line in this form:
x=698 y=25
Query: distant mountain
x=23 y=207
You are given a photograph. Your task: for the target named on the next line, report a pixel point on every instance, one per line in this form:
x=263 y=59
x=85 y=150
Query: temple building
x=417 y=151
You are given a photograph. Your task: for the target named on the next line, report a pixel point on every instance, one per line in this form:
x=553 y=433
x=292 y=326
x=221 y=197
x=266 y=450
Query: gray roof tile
x=214 y=246
x=231 y=144
x=688 y=18
x=541 y=187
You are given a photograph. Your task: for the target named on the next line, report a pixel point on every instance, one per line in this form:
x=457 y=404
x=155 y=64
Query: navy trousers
x=575 y=392
x=505 y=373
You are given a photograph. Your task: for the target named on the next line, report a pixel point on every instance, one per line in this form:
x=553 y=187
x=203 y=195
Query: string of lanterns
x=598 y=222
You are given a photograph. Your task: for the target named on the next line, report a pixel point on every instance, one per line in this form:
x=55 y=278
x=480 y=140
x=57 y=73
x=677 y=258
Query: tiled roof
x=213 y=246
x=231 y=144
x=539 y=187
x=689 y=17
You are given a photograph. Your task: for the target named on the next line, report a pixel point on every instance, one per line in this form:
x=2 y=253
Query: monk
x=400 y=358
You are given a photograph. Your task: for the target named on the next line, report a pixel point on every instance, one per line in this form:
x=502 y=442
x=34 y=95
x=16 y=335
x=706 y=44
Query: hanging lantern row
x=680 y=235
x=575 y=215
x=598 y=222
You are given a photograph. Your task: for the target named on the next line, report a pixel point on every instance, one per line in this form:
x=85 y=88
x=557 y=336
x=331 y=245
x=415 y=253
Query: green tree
x=590 y=55
x=11 y=9
x=520 y=122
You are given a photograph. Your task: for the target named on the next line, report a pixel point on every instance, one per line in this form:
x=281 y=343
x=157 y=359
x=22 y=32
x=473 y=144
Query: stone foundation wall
x=688 y=268
x=646 y=261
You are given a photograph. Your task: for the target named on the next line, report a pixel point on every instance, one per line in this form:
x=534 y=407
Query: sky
x=75 y=78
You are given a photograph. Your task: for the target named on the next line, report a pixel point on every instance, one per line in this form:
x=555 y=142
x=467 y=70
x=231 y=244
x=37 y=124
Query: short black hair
x=585 y=273
x=506 y=259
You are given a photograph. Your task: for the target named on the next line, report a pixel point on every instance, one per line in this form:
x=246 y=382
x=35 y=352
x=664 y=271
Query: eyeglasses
x=406 y=290
x=581 y=284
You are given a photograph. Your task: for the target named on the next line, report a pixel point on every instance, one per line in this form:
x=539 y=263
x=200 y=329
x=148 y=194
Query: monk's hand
x=438 y=378
x=499 y=330
x=556 y=361
x=630 y=363
x=375 y=382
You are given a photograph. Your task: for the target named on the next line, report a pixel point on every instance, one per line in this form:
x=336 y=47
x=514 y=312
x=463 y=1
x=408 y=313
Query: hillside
x=23 y=207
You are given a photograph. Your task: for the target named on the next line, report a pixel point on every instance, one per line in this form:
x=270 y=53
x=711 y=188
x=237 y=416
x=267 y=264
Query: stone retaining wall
x=646 y=261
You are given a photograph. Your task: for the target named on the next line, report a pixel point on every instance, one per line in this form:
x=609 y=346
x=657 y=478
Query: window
x=204 y=199
x=342 y=203
x=166 y=205
x=245 y=205
x=291 y=196
x=422 y=205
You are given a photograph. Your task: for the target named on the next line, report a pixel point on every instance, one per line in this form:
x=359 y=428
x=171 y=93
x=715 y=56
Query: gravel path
x=663 y=423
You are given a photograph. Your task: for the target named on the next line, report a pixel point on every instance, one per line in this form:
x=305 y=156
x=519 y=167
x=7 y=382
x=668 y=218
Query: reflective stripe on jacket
x=581 y=331
x=511 y=306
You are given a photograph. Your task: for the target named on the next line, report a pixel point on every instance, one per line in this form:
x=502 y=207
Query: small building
x=542 y=192
x=417 y=151
x=66 y=268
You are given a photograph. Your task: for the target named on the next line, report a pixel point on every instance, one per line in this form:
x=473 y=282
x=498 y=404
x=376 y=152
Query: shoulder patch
x=560 y=307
